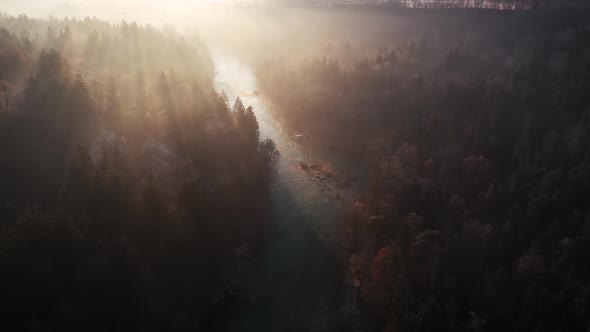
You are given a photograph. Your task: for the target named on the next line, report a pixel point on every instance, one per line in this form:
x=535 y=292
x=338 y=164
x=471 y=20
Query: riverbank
x=297 y=281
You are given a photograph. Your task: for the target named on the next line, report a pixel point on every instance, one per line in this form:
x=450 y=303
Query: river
x=296 y=281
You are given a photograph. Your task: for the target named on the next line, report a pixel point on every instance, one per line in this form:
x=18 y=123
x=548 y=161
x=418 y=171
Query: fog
x=223 y=23
x=255 y=29
x=148 y=11
x=229 y=165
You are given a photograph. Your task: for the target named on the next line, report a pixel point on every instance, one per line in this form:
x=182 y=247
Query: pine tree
x=154 y=207
x=113 y=105
x=79 y=189
x=5 y=88
x=251 y=126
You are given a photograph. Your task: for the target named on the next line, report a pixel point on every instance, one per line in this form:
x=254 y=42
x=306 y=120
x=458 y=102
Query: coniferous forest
x=127 y=182
x=475 y=216
x=339 y=166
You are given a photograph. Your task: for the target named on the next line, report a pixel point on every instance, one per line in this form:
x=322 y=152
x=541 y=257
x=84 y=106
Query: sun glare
x=294 y=165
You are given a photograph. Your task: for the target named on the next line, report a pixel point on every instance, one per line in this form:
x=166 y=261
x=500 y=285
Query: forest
x=342 y=166
x=127 y=183
x=475 y=215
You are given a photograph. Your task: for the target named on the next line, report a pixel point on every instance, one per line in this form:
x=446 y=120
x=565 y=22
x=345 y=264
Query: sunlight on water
x=238 y=80
x=308 y=216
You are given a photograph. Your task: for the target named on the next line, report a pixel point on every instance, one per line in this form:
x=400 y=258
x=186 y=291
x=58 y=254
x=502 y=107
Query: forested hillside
x=126 y=183
x=477 y=129
x=133 y=197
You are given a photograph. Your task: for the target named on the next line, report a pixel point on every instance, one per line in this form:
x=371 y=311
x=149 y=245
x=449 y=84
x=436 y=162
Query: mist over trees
x=127 y=183
x=475 y=216
x=135 y=197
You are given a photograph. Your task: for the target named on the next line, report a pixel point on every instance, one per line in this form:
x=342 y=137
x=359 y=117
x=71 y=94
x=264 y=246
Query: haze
x=346 y=166
x=134 y=10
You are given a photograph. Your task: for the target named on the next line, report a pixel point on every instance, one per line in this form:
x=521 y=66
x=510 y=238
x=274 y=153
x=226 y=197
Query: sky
x=141 y=10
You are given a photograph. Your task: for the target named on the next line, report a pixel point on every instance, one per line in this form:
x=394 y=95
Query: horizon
x=197 y=166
